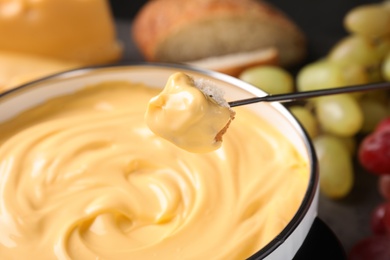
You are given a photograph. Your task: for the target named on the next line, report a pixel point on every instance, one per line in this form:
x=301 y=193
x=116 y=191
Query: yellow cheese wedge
x=16 y=69
x=73 y=30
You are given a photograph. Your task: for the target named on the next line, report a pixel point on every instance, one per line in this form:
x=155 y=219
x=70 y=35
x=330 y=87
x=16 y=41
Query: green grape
x=370 y=20
x=271 y=79
x=386 y=67
x=375 y=75
x=335 y=167
x=382 y=46
x=355 y=49
x=373 y=113
x=355 y=75
x=340 y=114
x=320 y=74
x=324 y=74
x=306 y=118
x=349 y=142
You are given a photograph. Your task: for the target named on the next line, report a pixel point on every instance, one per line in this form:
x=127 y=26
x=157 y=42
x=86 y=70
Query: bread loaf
x=193 y=30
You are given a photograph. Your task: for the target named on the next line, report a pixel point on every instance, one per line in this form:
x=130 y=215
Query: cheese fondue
x=83 y=177
x=186 y=116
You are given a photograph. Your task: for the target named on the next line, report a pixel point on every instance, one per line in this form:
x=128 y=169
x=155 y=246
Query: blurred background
x=320 y=20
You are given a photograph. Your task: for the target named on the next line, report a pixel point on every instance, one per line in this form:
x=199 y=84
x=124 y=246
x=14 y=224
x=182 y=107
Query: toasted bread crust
x=220 y=134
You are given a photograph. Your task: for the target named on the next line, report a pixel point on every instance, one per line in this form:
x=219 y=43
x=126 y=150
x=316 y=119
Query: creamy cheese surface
x=186 y=116
x=83 y=177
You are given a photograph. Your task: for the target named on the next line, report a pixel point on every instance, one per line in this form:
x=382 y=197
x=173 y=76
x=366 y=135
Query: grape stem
x=310 y=94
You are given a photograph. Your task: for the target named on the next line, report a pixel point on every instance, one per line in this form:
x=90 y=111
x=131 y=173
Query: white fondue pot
x=290 y=240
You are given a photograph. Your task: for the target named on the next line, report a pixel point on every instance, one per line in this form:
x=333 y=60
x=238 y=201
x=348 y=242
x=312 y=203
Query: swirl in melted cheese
x=83 y=177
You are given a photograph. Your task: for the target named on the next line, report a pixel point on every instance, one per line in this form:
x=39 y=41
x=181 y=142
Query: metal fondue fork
x=309 y=94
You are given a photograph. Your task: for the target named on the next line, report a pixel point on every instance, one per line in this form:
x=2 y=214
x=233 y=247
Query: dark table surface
x=322 y=22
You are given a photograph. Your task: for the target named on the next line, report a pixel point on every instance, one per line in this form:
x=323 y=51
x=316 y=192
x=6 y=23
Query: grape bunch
x=374 y=156
x=334 y=122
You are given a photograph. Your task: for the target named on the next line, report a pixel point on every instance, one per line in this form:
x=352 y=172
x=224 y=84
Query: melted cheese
x=83 y=177
x=187 y=117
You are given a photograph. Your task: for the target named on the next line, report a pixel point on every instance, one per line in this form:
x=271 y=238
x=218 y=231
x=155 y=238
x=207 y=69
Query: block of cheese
x=17 y=69
x=73 y=30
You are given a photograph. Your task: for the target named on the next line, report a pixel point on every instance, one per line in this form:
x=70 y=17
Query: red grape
x=380 y=219
x=376 y=247
x=374 y=152
x=384 y=186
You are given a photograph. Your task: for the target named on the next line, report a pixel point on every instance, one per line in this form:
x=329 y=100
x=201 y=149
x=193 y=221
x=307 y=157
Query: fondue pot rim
x=310 y=194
